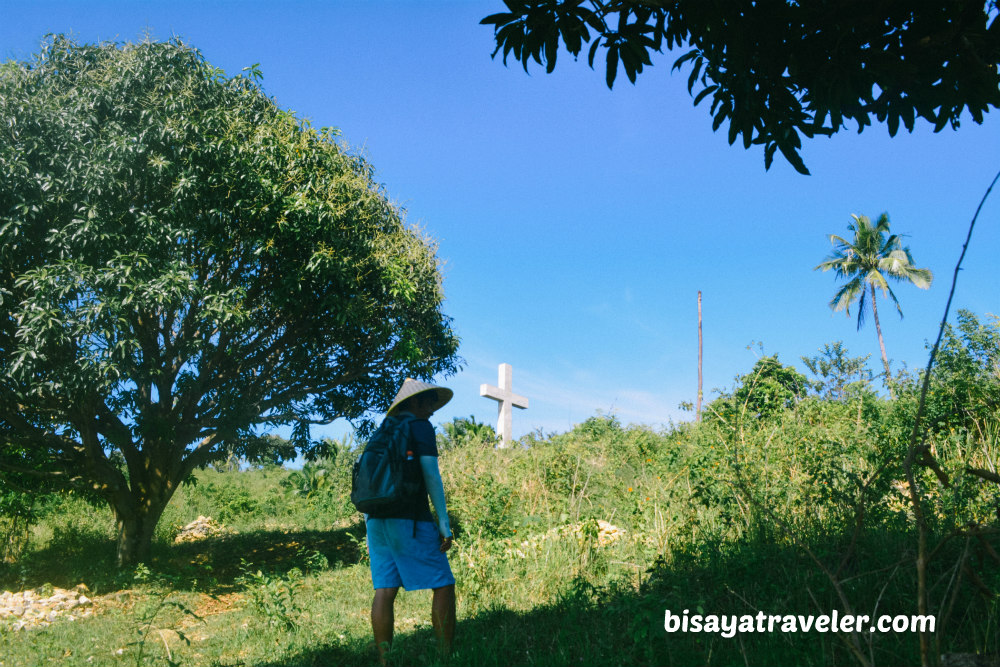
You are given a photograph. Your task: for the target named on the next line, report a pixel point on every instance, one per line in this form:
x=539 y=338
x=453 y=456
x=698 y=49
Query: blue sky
x=577 y=224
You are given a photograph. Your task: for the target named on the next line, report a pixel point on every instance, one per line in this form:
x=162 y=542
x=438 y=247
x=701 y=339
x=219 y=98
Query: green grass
x=719 y=517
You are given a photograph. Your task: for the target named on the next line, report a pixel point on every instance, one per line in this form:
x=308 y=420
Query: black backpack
x=383 y=482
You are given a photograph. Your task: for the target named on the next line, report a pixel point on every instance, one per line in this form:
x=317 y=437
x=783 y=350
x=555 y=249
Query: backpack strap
x=404 y=422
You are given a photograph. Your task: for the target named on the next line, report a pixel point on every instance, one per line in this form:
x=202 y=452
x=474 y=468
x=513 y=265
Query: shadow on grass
x=210 y=565
x=623 y=623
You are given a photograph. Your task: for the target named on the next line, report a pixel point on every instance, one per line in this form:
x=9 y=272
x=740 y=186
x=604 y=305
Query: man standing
x=407 y=547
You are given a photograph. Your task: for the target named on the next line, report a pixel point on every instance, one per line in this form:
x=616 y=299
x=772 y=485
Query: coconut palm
x=867 y=263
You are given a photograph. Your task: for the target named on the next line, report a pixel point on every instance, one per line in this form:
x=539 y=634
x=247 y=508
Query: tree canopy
x=867 y=262
x=838 y=375
x=768 y=389
x=778 y=70
x=184 y=264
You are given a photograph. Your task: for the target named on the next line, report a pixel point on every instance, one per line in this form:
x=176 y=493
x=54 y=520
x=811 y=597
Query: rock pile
x=199 y=529
x=607 y=533
x=42 y=606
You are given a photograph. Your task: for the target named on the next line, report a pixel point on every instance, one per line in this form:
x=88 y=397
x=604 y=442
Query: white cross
x=505 y=398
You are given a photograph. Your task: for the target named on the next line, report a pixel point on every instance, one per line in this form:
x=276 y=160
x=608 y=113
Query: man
x=407 y=548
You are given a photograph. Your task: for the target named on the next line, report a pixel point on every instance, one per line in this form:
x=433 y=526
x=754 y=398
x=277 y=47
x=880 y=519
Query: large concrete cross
x=505 y=398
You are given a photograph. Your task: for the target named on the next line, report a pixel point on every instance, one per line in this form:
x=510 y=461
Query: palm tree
x=867 y=262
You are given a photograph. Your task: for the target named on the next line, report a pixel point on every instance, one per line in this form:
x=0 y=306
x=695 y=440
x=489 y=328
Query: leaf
x=551 y=51
x=695 y=70
x=506 y=37
x=908 y=117
x=733 y=131
x=720 y=118
x=573 y=37
x=593 y=52
x=708 y=90
x=769 y=154
x=788 y=150
x=683 y=59
x=497 y=19
x=629 y=65
x=893 y=123
x=594 y=20
x=612 y=65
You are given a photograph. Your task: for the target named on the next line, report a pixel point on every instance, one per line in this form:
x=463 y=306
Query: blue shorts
x=400 y=559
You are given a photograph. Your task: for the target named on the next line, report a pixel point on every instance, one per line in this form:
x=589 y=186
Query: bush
x=463 y=432
x=17 y=516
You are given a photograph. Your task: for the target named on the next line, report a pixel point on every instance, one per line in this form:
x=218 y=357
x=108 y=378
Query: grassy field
x=789 y=506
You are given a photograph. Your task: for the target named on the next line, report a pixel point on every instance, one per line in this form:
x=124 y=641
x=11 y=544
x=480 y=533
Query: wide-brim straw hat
x=413 y=387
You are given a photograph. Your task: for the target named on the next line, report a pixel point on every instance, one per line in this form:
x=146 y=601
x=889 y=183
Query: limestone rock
x=199 y=529
x=39 y=608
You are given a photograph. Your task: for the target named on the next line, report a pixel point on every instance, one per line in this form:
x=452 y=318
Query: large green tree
x=868 y=262
x=183 y=265
x=777 y=70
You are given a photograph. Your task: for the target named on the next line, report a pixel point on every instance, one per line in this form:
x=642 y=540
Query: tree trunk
x=698 y=407
x=137 y=511
x=135 y=532
x=881 y=343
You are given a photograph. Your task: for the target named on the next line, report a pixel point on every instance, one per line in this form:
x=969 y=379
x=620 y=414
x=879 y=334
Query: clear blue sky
x=577 y=224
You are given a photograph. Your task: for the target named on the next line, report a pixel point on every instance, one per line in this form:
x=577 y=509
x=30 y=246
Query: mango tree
x=184 y=265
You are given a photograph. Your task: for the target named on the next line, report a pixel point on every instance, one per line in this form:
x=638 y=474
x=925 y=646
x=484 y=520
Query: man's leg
x=443 y=616
x=383 y=619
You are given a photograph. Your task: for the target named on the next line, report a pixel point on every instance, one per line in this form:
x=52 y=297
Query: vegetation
x=183 y=264
x=777 y=70
x=788 y=498
x=867 y=262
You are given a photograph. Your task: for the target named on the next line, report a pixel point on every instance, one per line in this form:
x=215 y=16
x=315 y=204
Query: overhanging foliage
x=778 y=70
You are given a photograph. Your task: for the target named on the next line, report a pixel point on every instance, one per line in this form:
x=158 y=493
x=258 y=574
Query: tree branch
x=988 y=475
x=918 y=435
x=29 y=433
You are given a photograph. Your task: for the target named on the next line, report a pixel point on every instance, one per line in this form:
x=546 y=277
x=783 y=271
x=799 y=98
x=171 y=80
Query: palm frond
x=882 y=224
x=894 y=300
x=846 y=296
x=875 y=278
x=831 y=263
x=899 y=265
x=890 y=245
x=894 y=263
x=841 y=245
x=922 y=278
x=862 y=304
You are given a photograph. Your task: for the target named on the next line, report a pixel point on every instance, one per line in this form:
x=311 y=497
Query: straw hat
x=413 y=387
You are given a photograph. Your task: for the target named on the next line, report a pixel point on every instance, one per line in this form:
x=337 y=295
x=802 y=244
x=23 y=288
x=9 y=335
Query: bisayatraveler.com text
x=728 y=625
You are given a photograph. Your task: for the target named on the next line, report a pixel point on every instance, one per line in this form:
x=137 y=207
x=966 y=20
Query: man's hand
x=446 y=543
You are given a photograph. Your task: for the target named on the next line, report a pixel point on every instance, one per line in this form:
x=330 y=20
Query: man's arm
x=435 y=489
